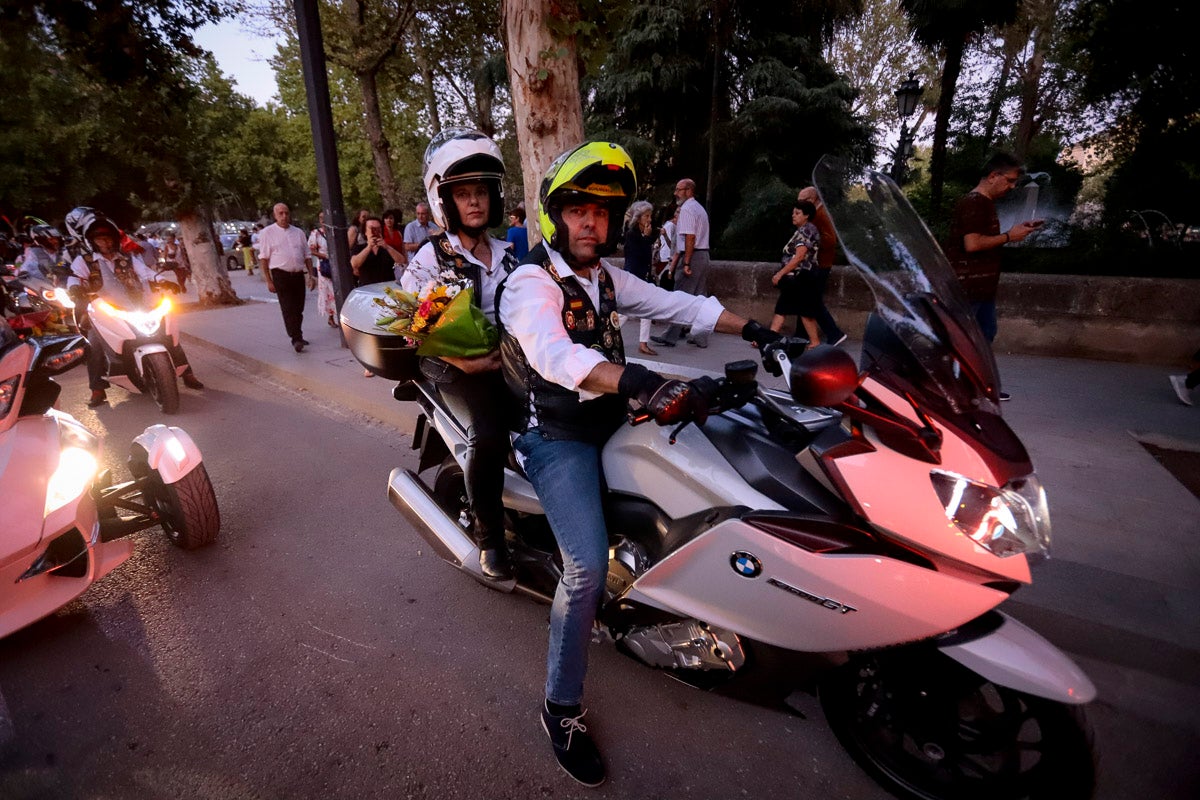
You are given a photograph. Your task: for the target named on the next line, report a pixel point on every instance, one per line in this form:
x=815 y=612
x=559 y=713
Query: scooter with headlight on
x=65 y=524
x=139 y=337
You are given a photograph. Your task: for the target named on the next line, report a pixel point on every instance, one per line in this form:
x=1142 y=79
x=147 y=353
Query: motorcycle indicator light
x=8 y=393
x=76 y=468
x=1006 y=521
x=144 y=322
x=60 y=362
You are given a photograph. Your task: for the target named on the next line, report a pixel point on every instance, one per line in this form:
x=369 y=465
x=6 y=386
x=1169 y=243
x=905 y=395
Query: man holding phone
x=973 y=247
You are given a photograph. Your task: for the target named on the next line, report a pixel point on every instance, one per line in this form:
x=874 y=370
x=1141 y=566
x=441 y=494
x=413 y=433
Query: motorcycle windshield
x=922 y=338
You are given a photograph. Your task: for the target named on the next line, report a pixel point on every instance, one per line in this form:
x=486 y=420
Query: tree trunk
x=1031 y=84
x=431 y=101
x=208 y=273
x=941 y=126
x=546 y=101
x=380 y=146
x=485 y=99
x=989 y=129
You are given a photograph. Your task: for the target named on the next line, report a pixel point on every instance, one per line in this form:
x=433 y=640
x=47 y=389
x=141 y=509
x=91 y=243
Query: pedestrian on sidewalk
x=691 y=240
x=825 y=255
x=318 y=245
x=283 y=257
x=973 y=247
x=639 y=241
x=797 y=280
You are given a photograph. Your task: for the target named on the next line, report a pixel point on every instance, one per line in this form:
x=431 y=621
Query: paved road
x=319 y=650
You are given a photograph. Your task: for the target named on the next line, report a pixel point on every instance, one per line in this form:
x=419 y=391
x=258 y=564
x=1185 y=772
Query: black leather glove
x=668 y=401
x=753 y=332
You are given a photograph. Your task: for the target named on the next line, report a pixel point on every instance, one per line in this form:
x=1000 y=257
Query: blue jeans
x=985 y=315
x=566 y=477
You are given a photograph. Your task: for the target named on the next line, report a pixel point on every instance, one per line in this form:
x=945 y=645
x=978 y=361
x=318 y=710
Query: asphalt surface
x=320 y=650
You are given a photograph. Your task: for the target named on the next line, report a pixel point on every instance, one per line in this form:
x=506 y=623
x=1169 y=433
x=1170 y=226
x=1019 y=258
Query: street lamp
x=907 y=96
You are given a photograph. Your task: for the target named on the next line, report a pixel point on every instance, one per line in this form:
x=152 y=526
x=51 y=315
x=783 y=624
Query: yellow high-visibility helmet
x=593 y=172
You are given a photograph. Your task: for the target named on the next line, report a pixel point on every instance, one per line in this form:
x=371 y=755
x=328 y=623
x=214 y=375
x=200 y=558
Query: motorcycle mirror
x=823 y=376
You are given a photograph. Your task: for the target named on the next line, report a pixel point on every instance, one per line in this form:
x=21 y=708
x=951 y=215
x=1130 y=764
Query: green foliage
x=1140 y=58
x=680 y=72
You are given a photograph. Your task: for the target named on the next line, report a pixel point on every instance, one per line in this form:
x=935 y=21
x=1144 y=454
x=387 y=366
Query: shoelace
x=572 y=724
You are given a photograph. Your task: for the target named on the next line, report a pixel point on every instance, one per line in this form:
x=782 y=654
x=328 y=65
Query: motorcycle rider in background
x=107 y=266
x=463 y=179
x=45 y=256
x=564 y=363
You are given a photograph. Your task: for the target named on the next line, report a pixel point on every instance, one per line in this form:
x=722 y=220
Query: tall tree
x=361 y=36
x=778 y=106
x=1138 y=59
x=543 y=74
x=947 y=25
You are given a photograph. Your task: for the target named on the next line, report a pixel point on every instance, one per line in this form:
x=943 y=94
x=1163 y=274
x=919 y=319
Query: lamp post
x=907 y=96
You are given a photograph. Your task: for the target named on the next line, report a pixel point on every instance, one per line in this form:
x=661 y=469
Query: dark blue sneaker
x=574 y=749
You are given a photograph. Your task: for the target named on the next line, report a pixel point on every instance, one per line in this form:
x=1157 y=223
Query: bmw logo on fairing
x=745 y=564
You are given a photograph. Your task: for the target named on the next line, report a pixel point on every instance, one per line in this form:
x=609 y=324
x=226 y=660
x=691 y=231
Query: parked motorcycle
x=874 y=514
x=138 y=336
x=65 y=525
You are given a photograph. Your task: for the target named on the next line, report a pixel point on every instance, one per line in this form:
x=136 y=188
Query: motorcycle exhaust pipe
x=447 y=538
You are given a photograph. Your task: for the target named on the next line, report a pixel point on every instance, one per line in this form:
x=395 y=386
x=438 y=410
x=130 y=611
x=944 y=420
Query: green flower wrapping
x=462 y=331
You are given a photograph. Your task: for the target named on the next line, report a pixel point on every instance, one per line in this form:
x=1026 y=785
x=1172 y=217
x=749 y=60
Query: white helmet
x=458 y=155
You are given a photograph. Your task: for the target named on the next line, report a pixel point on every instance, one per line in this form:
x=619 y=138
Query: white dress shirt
x=531 y=308
x=284 y=248
x=424 y=269
x=693 y=219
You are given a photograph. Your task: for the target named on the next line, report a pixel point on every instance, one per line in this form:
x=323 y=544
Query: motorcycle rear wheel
x=450 y=492
x=925 y=727
x=161 y=382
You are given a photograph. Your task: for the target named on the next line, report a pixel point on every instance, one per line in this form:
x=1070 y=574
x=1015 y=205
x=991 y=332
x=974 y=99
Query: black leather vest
x=553 y=409
x=126 y=274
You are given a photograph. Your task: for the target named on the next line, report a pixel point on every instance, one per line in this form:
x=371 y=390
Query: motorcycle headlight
x=1006 y=520
x=77 y=466
x=144 y=322
x=59 y=295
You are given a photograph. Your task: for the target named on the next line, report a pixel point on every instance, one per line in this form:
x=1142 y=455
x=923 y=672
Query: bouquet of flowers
x=441 y=318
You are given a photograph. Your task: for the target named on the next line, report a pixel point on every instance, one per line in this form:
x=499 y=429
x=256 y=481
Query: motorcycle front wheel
x=161 y=383
x=187 y=509
x=926 y=727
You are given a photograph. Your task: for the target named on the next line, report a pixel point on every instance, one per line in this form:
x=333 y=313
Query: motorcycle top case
x=386 y=354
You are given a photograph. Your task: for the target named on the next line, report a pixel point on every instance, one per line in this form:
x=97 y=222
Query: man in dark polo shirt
x=973 y=247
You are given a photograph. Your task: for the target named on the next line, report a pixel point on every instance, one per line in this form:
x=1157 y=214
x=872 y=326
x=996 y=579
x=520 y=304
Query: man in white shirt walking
x=283 y=255
x=690 y=262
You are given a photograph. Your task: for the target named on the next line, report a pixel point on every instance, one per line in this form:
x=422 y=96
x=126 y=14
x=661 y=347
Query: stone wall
x=1118 y=319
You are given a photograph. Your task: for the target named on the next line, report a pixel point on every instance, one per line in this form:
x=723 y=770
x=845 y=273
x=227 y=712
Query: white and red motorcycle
x=874 y=515
x=63 y=524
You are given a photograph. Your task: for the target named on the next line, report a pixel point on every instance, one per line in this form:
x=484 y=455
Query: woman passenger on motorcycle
x=106 y=270
x=564 y=364
x=463 y=181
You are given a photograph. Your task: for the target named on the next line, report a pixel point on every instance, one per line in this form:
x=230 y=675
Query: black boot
x=574 y=749
x=493 y=560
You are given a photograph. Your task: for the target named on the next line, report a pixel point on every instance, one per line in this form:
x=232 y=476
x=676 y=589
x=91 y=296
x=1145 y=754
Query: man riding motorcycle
x=107 y=269
x=564 y=363
x=45 y=256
